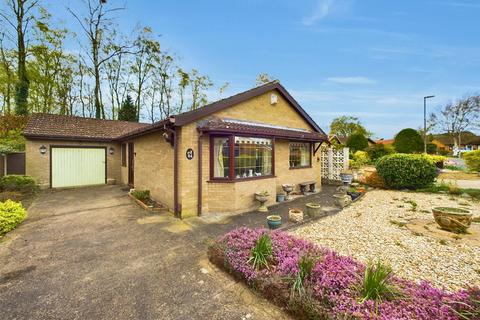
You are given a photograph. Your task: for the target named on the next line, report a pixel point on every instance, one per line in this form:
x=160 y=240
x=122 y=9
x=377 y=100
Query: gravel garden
x=378 y=227
x=385 y=256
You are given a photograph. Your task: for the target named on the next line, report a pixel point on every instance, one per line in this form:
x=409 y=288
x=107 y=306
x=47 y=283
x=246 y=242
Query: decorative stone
x=295 y=215
x=342 y=200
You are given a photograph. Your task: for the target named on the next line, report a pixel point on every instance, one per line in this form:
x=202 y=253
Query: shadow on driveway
x=93 y=254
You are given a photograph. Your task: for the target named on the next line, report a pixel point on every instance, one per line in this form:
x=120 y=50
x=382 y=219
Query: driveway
x=93 y=254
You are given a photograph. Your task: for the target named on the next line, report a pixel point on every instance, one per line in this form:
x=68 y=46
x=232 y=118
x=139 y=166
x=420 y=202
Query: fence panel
x=334 y=161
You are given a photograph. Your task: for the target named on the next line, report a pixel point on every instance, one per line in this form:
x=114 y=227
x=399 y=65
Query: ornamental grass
x=317 y=283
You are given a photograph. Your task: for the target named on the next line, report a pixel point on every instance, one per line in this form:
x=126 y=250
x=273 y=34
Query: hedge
x=11 y=214
x=408 y=141
x=356 y=142
x=331 y=287
x=377 y=151
x=406 y=171
x=17 y=183
x=472 y=160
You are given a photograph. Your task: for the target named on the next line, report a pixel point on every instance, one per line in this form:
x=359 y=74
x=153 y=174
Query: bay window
x=300 y=155
x=239 y=157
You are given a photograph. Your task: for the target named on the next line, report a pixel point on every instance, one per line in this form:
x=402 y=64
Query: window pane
x=253 y=157
x=299 y=154
x=221 y=157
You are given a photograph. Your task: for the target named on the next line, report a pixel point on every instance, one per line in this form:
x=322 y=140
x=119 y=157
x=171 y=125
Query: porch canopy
x=233 y=126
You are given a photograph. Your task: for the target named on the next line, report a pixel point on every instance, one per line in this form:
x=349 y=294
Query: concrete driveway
x=93 y=254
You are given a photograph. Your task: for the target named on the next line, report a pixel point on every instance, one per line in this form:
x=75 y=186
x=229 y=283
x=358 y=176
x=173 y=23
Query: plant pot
x=295 y=215
x=274 y=221
x=280 y=197
x=314 y=210
x=288 y=188
x=262 y=197
x=452 y=219
x=342 y=200
x=347 y=178
x=354 y=195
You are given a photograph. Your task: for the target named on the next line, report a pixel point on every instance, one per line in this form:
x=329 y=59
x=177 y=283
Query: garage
x=73 y=166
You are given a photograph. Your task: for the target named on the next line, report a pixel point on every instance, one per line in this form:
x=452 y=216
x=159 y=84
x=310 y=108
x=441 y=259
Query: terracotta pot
x=452 y=219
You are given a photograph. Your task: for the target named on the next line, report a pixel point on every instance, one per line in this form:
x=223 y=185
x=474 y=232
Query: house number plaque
x=189 y=154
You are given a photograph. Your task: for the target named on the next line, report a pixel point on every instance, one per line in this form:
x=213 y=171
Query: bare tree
x=146 y=59
x=263 y=78
x=95 y=24
x=455 y=118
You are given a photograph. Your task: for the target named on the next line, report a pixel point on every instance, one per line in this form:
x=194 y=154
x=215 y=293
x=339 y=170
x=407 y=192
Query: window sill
x=239 y=180
x=304 y=167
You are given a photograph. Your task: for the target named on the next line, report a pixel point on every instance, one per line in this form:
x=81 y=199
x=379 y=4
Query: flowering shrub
x=332 y=288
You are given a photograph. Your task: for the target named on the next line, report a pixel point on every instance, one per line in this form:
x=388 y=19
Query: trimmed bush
x=472 y=160
x=360 y=158
x=11 y=214
x=356 y=142
x=408 y=141
x=431 y=148
x=17 y=183
x=316 y=283
x=406 y=171
x=377 y=151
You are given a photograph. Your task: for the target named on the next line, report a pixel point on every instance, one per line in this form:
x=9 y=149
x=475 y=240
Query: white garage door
x=72 y=167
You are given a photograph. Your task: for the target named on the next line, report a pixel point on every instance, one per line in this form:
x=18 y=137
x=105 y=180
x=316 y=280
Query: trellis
x=334 y=161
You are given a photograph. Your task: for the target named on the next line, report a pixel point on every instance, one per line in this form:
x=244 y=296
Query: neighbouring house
x=341 y=140
x=468 y=142
x=209 y=160
x=385 y=141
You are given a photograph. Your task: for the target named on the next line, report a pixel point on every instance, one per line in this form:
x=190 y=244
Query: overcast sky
x=373 y=59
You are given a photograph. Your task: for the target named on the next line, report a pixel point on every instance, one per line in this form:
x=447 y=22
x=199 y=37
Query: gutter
x=176 y=207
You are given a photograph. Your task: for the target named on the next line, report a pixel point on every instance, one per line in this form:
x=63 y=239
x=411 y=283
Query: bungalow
x=208 y=160
x=342 y=140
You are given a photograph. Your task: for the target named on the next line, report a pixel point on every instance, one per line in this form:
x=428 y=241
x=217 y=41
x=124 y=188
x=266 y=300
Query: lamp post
x=425 y=122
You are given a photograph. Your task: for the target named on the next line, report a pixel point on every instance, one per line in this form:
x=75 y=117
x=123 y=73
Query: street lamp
x=425 y=122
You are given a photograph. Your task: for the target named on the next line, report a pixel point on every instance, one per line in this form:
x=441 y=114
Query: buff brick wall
x=154 y=167
x=38 y=165
x=238 y=196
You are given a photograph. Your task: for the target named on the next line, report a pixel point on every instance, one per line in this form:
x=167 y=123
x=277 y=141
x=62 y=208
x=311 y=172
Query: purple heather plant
x=336 y=281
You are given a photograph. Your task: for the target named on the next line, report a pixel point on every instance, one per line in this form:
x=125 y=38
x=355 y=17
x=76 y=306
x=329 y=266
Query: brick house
x=209 y=160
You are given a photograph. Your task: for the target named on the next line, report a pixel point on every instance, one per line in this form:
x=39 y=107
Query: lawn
x=384 y=225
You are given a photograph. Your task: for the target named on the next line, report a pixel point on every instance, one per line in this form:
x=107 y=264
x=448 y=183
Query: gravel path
x=372 y=229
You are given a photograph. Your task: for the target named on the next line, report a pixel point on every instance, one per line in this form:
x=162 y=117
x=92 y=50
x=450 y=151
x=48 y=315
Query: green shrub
x=360 y=158
x=376 y=284
x=356 y=142
x=408 y=141
x=261 y=252
x=377 y=151
x=472 y=160
x=406 y=171
x=11 y=214
x=17 y=183
x=431 y=148
x=141 y=195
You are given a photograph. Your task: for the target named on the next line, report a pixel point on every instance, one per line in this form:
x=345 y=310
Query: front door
x=131 y=164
